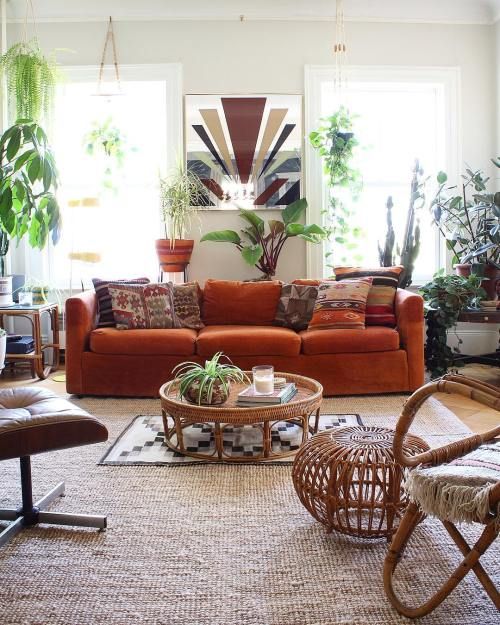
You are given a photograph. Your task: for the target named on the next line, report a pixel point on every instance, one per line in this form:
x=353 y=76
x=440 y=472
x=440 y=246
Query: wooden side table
x=34 y=314
x=480 y=316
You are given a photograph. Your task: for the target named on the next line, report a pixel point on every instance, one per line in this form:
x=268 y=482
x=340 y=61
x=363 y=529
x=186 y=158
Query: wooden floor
x=475 y=416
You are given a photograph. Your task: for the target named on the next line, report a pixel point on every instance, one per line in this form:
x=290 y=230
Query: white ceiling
x=451 y=11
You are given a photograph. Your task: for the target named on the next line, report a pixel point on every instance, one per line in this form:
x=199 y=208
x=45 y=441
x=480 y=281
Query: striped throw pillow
x=380 y=304
x=105 y=317
x=341 y=305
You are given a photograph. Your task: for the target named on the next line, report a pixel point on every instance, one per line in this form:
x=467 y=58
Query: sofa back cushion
x=380 y=304
x=231 y=302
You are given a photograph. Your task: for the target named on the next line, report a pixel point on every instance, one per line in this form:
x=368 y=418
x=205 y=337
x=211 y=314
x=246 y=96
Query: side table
x=480 y=316
x=34 y=315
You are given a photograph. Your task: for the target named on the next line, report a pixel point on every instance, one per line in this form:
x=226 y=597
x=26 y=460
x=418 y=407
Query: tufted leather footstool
x=34 y=421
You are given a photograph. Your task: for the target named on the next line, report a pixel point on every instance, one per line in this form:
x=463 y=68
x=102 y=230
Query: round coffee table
x=225 y=418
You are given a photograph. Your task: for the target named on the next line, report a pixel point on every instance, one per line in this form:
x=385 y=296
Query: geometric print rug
x=143 y=441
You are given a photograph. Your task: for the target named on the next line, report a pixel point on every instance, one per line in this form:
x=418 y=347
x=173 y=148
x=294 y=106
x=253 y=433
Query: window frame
x=449 y=78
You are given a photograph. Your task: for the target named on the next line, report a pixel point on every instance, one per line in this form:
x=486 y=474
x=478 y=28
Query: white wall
x=269 y=57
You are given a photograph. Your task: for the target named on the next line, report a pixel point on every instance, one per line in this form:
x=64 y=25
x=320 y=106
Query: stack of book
x=248 y=397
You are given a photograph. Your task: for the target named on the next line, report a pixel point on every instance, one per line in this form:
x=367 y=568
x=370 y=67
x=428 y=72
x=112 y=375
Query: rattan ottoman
x=349 y=481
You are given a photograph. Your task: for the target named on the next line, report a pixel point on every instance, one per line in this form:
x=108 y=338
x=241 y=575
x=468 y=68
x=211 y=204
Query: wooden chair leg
x=470 y=562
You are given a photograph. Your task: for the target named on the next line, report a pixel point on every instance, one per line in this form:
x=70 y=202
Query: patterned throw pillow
x=341 y=305
x=296 y=306
x=105 y=317
x=380 y=303
x=138 y=306
x=187 y=306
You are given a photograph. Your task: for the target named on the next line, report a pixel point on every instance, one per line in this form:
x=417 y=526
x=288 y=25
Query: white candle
x=263 y=380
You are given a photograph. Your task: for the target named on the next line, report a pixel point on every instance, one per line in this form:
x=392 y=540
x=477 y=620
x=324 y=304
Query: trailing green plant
x=468 y=217
x=107 y=140
x=446 y=296
x=263 y=249
x=336 y=144
x=410 y=246
x=31 y=80
x=28 y=182
x=201 y=382
x=180 y=194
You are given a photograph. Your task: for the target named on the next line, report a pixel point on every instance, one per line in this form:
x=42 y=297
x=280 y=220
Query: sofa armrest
x=81 y=313
x=410 y=325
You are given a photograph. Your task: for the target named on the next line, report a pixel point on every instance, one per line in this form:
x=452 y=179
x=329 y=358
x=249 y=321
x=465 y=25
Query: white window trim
x=38 y=264
x=316 y=192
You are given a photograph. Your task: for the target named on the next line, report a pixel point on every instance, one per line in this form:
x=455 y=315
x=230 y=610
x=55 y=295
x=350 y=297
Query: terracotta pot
x=219 y=394
x=174 y=255
x=492 y=283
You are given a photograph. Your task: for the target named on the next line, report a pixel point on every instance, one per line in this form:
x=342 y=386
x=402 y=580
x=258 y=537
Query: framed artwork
x=245 y=149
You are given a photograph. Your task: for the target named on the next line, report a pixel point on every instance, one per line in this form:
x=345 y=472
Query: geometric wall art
x=245 y=149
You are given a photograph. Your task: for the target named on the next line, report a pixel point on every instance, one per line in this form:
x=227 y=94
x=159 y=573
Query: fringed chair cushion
x=458 y=491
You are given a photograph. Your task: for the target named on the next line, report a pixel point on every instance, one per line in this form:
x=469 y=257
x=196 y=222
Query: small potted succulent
x=208 y=384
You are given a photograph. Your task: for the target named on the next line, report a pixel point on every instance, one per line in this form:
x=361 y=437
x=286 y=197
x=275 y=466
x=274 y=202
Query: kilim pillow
x=341 y=305
x=105 y=317
x=187 y=306
x=380 y=303
x=138 y=306
x=296 y=306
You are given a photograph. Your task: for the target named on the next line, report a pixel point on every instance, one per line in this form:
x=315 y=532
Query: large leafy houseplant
x=28 y=183
x=31 y=79
x=336 y=143
x=208 y=384
x=262 y=249
x=107 y=141
x=446 y=296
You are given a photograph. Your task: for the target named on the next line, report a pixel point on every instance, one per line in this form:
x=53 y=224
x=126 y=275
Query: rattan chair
x=456 y=483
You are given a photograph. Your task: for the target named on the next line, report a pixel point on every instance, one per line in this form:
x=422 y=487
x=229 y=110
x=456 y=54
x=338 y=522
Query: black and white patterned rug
x=143 y=441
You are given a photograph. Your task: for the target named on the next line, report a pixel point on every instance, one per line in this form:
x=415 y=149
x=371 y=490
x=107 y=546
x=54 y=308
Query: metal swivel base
x=30 y=514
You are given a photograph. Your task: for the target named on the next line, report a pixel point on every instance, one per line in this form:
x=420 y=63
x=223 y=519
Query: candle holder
x=263 y=379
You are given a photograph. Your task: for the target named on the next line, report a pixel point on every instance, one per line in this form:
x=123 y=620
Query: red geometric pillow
x=380 y=304
x=105 y=317
x=142 y=306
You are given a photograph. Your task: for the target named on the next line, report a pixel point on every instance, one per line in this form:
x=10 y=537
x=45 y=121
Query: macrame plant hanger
x=110 y=37
x=340 y=50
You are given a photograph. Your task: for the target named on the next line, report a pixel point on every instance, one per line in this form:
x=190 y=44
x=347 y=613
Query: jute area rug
x=214 y=545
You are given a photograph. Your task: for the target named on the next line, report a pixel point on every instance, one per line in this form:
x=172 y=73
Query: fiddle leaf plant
x=261 y=248
x=28 y=183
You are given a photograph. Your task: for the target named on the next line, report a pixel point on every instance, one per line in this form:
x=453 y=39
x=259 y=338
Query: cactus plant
x=4 y=248
x=386 y=254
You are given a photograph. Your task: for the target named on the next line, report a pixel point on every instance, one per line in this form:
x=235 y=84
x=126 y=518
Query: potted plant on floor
x=263 y=249
x=445 y=298
x=208 y=384
x=180 y=194
x=469 y=219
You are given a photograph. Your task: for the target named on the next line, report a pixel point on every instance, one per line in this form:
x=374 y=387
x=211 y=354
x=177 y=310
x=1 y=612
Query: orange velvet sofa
x=238 y=321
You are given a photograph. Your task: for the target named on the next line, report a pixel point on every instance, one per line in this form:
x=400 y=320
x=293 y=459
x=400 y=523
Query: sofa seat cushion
x=248 y=341
x=176 y=342
x=372 y=339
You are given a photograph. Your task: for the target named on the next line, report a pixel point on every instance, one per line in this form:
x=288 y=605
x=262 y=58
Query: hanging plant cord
x=110 y=37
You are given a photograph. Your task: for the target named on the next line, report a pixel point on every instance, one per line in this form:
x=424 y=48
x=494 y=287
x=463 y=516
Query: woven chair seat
x=458 y=491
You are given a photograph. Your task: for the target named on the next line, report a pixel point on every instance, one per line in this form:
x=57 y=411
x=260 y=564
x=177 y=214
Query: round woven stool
x=348 y=480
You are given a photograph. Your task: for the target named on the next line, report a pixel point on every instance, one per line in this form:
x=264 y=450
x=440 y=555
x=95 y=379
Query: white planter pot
x=3 y=347
x=6 y=291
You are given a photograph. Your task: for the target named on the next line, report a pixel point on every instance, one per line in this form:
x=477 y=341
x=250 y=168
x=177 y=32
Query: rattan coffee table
x=184 y=414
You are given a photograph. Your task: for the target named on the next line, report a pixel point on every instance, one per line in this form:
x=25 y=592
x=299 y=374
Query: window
x=110 y=202
x=402 y=115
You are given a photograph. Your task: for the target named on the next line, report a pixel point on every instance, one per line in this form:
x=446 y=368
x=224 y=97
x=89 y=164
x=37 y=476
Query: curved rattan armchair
x=421 y=467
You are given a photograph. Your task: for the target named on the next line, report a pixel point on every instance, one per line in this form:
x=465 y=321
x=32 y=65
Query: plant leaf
x=252 y=253
x=222 y=236
x=294 y=210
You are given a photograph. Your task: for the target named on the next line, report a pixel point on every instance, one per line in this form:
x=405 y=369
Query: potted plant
x=179 y=195
x=263 y=249
x=208 y=384
x=336 y=143
x=31 y=80
x=446 y=296
x=106 y=142
x=470 y=222
x=28 y=182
